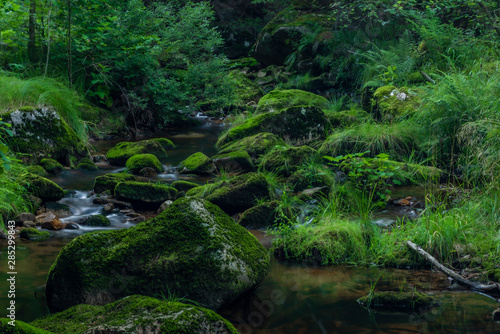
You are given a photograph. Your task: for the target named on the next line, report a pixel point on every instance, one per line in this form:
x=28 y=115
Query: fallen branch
x=427 y=78
x=451 y=273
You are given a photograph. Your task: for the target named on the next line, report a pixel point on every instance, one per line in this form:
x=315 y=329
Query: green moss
x=165 y=143
x=399 y=300
x=246 y=90
x=51 y=166
x=32 y=233
x=243 y=62
x=109 y=181
x=255 y=145
x=19 y=328
x=138 y=314
x=137 y=162
x=278 y=100
x=43 y=188
x=236 y=161
x=144 y=192
x=197 y=163
x=295 y=125
x=191 y=249
x=196 y=192
x=119 y=154
x=41 y=132
x=348 y=117
x=184 y=185
x=260 y=216
x=37 y=170
x=286 y=161
x=98 y=220
x=394 y=102
x=87 y=164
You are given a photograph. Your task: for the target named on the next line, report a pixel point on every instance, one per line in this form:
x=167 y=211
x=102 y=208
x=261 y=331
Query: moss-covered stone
x=109 y=181
x=184 y=186
x=51 y=166
x=244 y=63
x=165 y=143
x=236 y=195
x=255 y=145
x=19 y=328
x=246 y=91
x=237 y=161
x=41 y=132
x=191 y=249
x=260 y=216
x=278 y=100
x=119 y=154
x=86 y=164
x=98 y=220
x=286 y=161
x=137 y=314
x=401 y=301
x=295 y=125
x=42 y=188
x=140 y=193
x=37 y=170
x=349 y=117
x=197 y=163
x=137 y=162
x=32 y=233
x=306 y=178
x=391 y=102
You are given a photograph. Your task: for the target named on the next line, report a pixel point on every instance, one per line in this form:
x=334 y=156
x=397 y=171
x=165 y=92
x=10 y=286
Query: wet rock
x=23 y=217
x=29 y=223
x=192 y=248
x=49 y=221
x=108 y=208
x=71 y=226
x=233 y=162
x=109 y=181
x=148 y=172
x=144 y=194
x=401 y=202
x=137 y=219
x=119 y=154
x=496 y=314
x=164 y=206
x=51 y=166
x=31 y=233
x=260 y=216
x=197 y=163
x=384 y=222
x=139 y=162
x=127 y=211
x=43 y=188
x=116 y=203
x=60 y=210
x=86 y=164
x=98 y=220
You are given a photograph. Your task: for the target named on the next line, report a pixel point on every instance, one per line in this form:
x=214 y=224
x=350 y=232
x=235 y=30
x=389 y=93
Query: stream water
x=292 y=299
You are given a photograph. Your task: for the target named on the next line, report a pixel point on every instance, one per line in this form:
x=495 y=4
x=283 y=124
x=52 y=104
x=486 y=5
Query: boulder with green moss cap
x=234 y=162
x=391 y=102
x=278 y=100
x=259 y=216
x=42 y=188
x=86 y=164
x=120 y=153
x=109 y=181
x=97 y=220
x=51 y=166
x=255 y=145
x=32 y=233
x=197 y=163
x=285 y=161
x=137 y=314
x=246 y=91
x=137 y=162
x=19 y=327
x=183 y=186
x=144 y=194
x=192 y=249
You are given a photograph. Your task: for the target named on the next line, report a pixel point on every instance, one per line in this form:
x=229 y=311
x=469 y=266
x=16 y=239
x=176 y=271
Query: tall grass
x=40 y=92
x=13 y=196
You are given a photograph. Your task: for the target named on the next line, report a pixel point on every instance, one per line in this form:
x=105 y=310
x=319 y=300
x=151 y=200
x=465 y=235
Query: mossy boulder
x=41 y=132
x=197 y=163
x=278 y=100
x=183 y=186
x=136 y=314
x=295 y=125
x=191 y=249
x=399 y=301
x=32 y=233
x=144 y=194
x=51 y=166
x=19 y=328
x=86 y=164
x=164 y=142
x=255 y=145
x=98 y=220
x=120 y=153
x=137 y=162
x=305 y=178
x=237 y=161
x=236 y=195
x=244 y=63
x=42 y=188
x=109 y=181
x=286 y=161
x=37 y=170
x=260 y=216
x=246 y=91
x=391 y=102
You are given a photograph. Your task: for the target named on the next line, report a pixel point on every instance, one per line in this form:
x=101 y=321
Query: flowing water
x=292 y=298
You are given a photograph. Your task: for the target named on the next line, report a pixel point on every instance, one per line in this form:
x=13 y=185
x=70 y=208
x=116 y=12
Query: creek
x=292 y=299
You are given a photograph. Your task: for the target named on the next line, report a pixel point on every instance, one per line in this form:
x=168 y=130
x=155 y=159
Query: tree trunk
x=32 y=32
x=70 y=79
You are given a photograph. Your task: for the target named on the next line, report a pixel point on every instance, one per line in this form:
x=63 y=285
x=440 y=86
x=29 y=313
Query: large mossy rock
x=236 y=195
x=278 y=100
x=41 y=132
x=136 y=314
x=295 y=125
x=286 y=161
x=98 y=220
x=246 y=91
x=86 y=164
x=233 y=162
x=32 y=233
x=255 y=145
x=197 y=163
x=43 y=188
x=51 y=166
x=19 y=328
x=391 y=102
x=191 y=249
x=144 y=194
x=137 y=162
x=119 y=154
x=260 y=216
x=110 y=181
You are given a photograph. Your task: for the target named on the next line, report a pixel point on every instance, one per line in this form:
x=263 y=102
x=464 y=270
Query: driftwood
x=494 y=287
x=427 y=77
